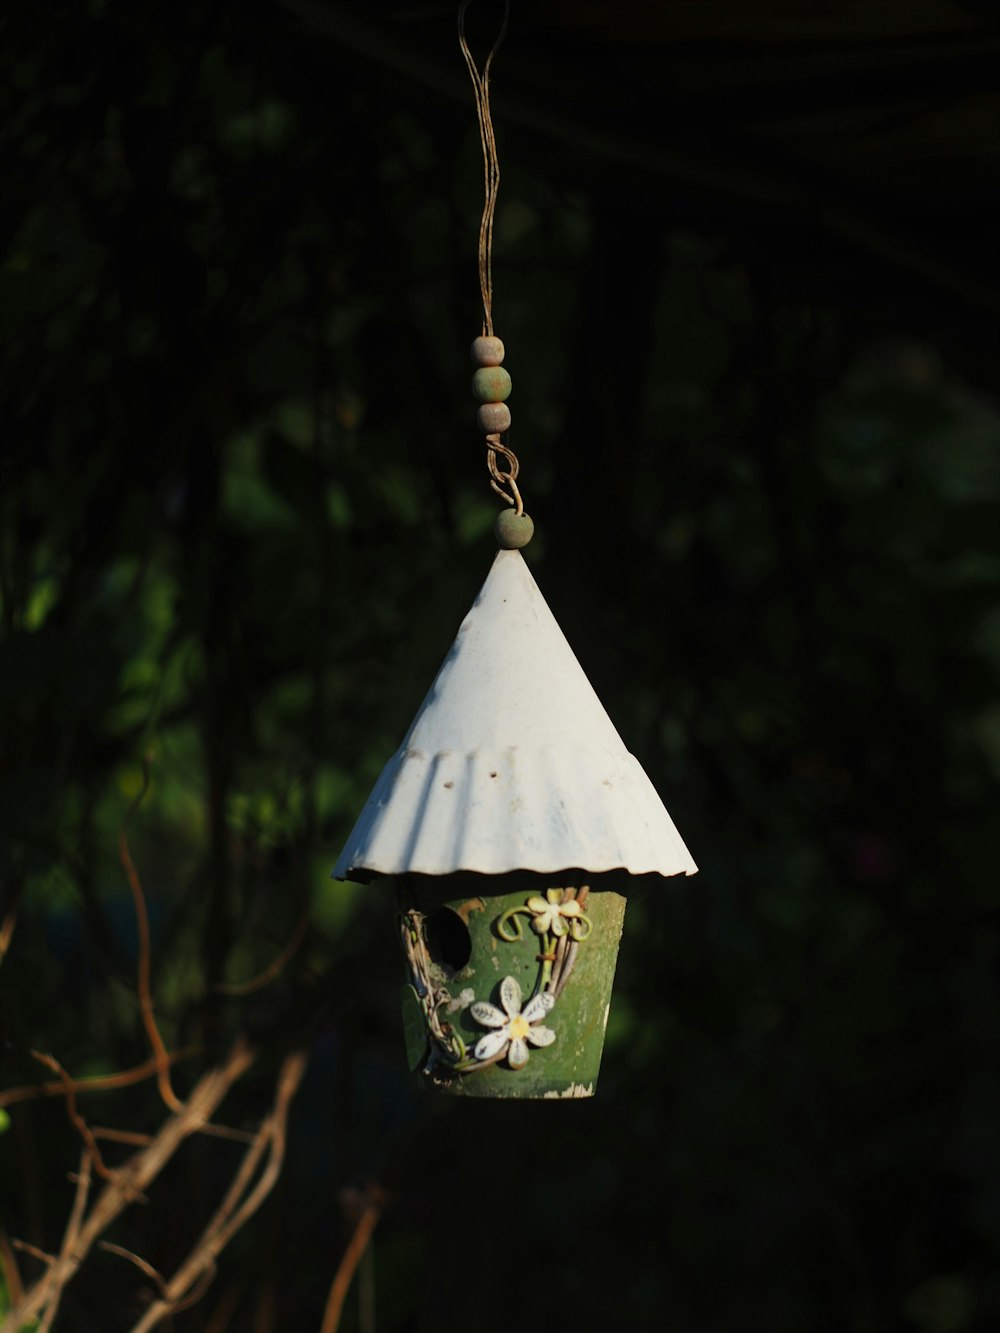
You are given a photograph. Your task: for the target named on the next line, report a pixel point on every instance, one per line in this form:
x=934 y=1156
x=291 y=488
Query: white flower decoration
x=513 y=1027
x=556 y=913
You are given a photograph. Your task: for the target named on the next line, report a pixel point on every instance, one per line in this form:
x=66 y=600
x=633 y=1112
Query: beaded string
x=491 y=383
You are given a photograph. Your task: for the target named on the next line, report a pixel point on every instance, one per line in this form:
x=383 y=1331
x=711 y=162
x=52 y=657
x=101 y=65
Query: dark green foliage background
x=244 y=511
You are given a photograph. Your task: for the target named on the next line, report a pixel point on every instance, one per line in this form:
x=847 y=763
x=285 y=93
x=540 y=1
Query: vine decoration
x=561 y=922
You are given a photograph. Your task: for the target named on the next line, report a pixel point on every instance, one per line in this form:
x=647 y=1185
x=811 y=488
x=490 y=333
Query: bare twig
x=222 y=1316
x=27 y=1248
x=9 y=922
x=197 y=1270
x=82 y=1128
x=127 y=1182
x=143 y=986
x=266 y=1309
x=129 y=1136
x=99 y=1083
x=11 y=1272
x=136 y=1259
x=275 y=968
x=80 y=1198
x=227 y=1132
x=374 y=1203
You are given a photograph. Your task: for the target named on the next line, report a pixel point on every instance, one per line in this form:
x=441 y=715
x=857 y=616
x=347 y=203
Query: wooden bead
x=487 y=351
x=493 y=418
x=513 y=530
x=491 y=384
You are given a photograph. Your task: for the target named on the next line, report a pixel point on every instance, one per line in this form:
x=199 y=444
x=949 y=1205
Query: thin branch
x=265 y=1311
x=80 y=1198
x=82 y=1128
x=227 y=1132
x=11 y=1272
x=129 y=1181
x=27 y=1248
x=72 y=1231
x=374 y=1204
x=136 y=1259
x=143 y=986
x=274 y=969
x=196 y=1272
x=222 y=1316
x=129 y=1136
x=9 y=923
x=99 y=1083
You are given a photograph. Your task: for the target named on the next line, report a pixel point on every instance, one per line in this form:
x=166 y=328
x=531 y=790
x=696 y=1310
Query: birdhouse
x=512 y=820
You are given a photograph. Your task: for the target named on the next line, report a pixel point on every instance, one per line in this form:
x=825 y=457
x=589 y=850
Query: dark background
x=748 y=278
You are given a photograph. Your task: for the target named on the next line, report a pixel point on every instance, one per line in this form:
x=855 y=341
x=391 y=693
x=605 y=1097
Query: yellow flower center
x=518 y=1027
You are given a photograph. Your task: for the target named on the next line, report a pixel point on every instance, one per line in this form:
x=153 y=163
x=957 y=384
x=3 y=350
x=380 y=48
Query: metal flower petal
x=540 y=1036
x=492 y=1044
x=538 y=1006
x=510 y=996
x=488 y=1014
x=517 y=1056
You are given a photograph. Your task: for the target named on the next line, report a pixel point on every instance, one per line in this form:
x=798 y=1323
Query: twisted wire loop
x=491 y=162
x=504 y=482
x=446 y=1045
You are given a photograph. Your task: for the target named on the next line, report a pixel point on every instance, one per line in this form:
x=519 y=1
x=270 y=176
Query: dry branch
x=276 y=966
x=127 y=1183
x=371 y=1211
x=9 y=922
x=72 y=1231
x=99 y=1083
x=238 y=1206
x=143 y=980
x=8 y=1262
x=80 y=1125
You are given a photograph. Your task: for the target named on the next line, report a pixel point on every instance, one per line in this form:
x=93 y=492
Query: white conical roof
x=511 y=762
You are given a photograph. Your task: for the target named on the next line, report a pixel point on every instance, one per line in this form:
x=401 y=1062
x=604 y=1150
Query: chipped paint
x=472 y=905
x=574 y=1090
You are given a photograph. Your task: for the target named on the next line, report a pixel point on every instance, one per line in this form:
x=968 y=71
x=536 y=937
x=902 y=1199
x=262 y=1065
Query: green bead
x=491 y=384
x=513 y=530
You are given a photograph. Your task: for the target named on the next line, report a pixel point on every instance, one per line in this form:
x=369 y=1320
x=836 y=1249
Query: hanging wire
x=503 y=480
x=491 y=162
